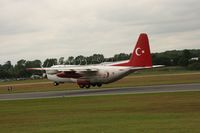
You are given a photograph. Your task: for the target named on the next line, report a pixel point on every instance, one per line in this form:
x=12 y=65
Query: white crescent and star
x=139 y=51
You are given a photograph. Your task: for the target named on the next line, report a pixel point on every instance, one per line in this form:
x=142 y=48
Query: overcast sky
x=40 y=29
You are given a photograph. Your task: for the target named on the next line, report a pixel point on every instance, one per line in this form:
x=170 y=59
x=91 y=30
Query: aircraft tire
x=81 y=86
x=55 y=83
x=93 y=84
x=99 y=84
x=87 y=86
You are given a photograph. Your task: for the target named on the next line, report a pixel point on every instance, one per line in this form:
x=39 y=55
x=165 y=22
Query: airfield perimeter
x=142 y=83
x=103 y=91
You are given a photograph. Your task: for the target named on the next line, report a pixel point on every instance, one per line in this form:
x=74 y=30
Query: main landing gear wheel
x=81 y=86
x=87 y=86
x=99 y=84
x=55 y=83
x=93 y=84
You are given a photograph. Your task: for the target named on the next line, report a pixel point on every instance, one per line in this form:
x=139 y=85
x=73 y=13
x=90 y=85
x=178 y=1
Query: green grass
x=140 y=113
x=24 y=81
x=157 y=80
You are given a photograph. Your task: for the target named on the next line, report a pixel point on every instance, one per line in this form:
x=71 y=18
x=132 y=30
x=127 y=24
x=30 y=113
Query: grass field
x=132 y=80
x=140 y=113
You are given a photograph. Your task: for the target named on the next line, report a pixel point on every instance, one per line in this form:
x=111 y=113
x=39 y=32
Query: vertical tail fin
x=141 y=56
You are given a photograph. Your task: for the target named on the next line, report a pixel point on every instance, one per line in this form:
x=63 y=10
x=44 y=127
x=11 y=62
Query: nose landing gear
x=55 y=83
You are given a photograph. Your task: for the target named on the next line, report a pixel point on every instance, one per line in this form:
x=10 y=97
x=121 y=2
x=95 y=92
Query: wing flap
x=78 y=70
x=67 y=69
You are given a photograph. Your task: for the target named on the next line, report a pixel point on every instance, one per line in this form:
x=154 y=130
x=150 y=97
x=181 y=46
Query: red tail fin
x=141 y=56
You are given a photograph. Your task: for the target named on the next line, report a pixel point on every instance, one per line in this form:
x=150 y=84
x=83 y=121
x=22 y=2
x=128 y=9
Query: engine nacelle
x=51 y=71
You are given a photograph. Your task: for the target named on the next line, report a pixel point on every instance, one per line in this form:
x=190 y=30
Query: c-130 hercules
x=104 y=73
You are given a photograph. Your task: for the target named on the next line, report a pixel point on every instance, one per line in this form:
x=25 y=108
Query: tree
x=121 y=56
x=96 y=58
x=194 y=66
x=50 y=62
x=161 y=59
x=61 y=60
x=184 y=60
x=7 y=65
x=80 y=60
x=70 y=60
x=6 y=70
x=33 y=64
x=20 y=68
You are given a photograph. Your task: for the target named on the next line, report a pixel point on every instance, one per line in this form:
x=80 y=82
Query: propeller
x=44 y=74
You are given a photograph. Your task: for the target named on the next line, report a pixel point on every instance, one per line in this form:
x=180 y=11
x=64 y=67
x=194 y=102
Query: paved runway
x=103 y=91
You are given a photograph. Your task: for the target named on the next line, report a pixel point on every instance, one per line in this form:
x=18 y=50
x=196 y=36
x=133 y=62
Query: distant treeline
x=186 y=58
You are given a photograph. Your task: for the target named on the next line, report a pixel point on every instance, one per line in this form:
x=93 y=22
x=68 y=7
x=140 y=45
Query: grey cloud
x=47 y=28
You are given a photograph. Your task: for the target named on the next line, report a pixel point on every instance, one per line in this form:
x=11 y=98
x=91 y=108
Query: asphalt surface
x=103 y=91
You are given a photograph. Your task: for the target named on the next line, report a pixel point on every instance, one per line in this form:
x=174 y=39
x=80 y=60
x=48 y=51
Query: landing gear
x=87 y=86
x=99 y=84
x=93 y=84
x=81 y=86
x=55 y=83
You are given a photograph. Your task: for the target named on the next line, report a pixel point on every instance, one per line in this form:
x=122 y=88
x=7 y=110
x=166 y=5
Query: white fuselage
x=105 y=74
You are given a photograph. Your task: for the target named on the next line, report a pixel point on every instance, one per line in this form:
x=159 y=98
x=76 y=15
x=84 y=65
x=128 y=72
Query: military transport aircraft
x=104 y=73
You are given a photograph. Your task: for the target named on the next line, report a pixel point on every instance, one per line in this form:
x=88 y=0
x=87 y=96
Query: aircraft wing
x=78 y=70
x=67 y=69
